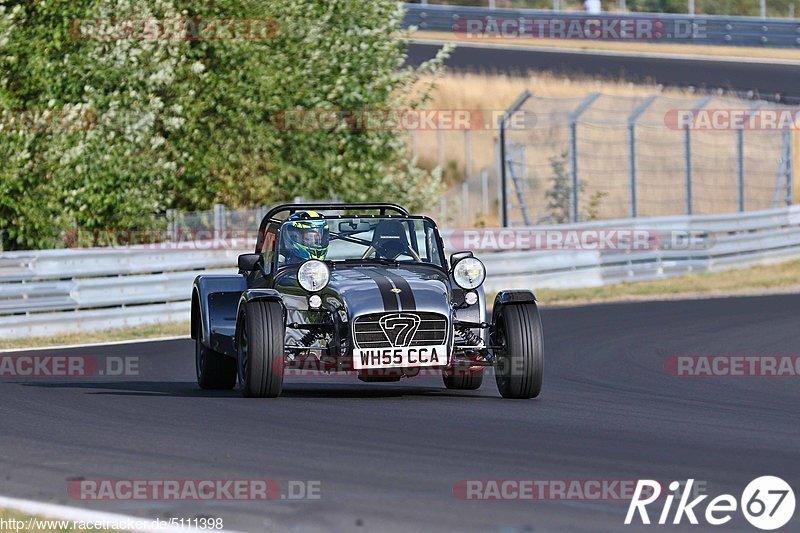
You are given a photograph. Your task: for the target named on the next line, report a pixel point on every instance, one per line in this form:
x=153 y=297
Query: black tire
x=215 y=371
x=462 y=378
x=520 y=365
x=259 y=346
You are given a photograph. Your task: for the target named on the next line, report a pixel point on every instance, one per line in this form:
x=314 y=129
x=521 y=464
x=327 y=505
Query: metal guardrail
x=687 y=29
x=719 y=242
x=59 y=291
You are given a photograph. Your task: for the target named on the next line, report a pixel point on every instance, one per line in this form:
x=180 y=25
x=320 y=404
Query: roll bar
x=271 y=215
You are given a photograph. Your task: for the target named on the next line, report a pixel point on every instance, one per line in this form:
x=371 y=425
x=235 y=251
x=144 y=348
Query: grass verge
x=144 y=332
x=782 y=277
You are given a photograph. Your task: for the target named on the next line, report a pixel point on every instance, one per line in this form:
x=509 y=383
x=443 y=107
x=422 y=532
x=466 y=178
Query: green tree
x=181 y=123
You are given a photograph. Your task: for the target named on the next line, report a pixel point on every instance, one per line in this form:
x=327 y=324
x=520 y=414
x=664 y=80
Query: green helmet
x=307 y=236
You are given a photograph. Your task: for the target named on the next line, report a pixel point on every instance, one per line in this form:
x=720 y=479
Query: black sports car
x=362 y=288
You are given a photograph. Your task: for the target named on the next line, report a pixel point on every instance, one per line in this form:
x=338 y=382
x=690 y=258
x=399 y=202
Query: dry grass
x=492 y=94
x=603 y=138
x=145 y=332
x=627 y=46
x=782 y=277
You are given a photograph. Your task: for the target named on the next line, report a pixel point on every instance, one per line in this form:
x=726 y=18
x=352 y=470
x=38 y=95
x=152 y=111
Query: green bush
x=177 y=123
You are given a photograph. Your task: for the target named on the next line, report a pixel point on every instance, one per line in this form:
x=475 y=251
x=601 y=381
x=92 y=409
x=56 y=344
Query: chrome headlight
x=469 y=273
x=313 y=275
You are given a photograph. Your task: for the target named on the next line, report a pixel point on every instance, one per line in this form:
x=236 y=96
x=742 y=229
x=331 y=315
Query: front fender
x=254 y=295
x=513 y=296
x=215 y=300
x=509 y=297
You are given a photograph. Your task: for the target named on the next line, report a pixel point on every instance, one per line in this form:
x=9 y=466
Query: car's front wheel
x=260 y=347
x=520 y=362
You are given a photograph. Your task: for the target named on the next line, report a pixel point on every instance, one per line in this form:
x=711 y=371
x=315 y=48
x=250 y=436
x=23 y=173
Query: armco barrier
x=60 y=291
x=673 y=28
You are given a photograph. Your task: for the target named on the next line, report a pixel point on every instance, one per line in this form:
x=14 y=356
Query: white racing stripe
x=94 y=344
x=76 y=514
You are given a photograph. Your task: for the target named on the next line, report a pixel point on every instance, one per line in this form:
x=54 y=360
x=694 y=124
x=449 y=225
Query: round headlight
x=313 y=275
x=469 y=273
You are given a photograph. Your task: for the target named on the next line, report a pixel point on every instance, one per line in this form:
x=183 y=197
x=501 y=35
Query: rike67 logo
x=767 y=503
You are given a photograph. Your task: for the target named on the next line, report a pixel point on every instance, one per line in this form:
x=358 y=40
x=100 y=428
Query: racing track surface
x=766 y=79
x=388 y=455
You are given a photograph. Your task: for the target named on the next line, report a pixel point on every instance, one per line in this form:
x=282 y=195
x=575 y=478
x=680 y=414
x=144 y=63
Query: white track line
x=611 y=53
x=94 y=344
x=76 y=514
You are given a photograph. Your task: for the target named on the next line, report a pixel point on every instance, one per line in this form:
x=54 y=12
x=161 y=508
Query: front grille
x=431 y=330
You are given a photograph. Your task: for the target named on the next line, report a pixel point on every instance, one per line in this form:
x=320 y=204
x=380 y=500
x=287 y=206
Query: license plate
x=364 y=358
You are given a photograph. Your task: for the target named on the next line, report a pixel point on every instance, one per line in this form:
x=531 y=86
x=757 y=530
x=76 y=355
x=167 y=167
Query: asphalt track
x=765 y=79
x=388 y=455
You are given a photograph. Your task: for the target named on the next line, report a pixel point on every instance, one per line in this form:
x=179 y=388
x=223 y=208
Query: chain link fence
x=604 y=156
x=577 y=159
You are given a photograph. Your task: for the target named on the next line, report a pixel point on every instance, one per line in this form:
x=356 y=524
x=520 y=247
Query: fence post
x=219 y=220
x=789 y=171
x=465 y=202
x=687 y=157
x=503 y=170
x=687 y=154
x=740 y=169
x=503 y=177
x=740 y=158
x=468 y=152
x=485 y=191
x=440 y=146
x=414 y=144
x=784 y=178
x=634 y=116
x=171 y=226
x=573 y=150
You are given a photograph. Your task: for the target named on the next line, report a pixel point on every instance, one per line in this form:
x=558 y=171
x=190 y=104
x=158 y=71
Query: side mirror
x=248 y=262
x=458 y=256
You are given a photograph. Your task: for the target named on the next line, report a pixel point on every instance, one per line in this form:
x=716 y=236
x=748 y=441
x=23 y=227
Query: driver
x=306 y=237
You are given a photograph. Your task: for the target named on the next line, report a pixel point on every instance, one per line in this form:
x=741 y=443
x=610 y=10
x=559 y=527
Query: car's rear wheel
x=260 y=347
x=520 y=363
x=215 y=371
x=462 y=378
